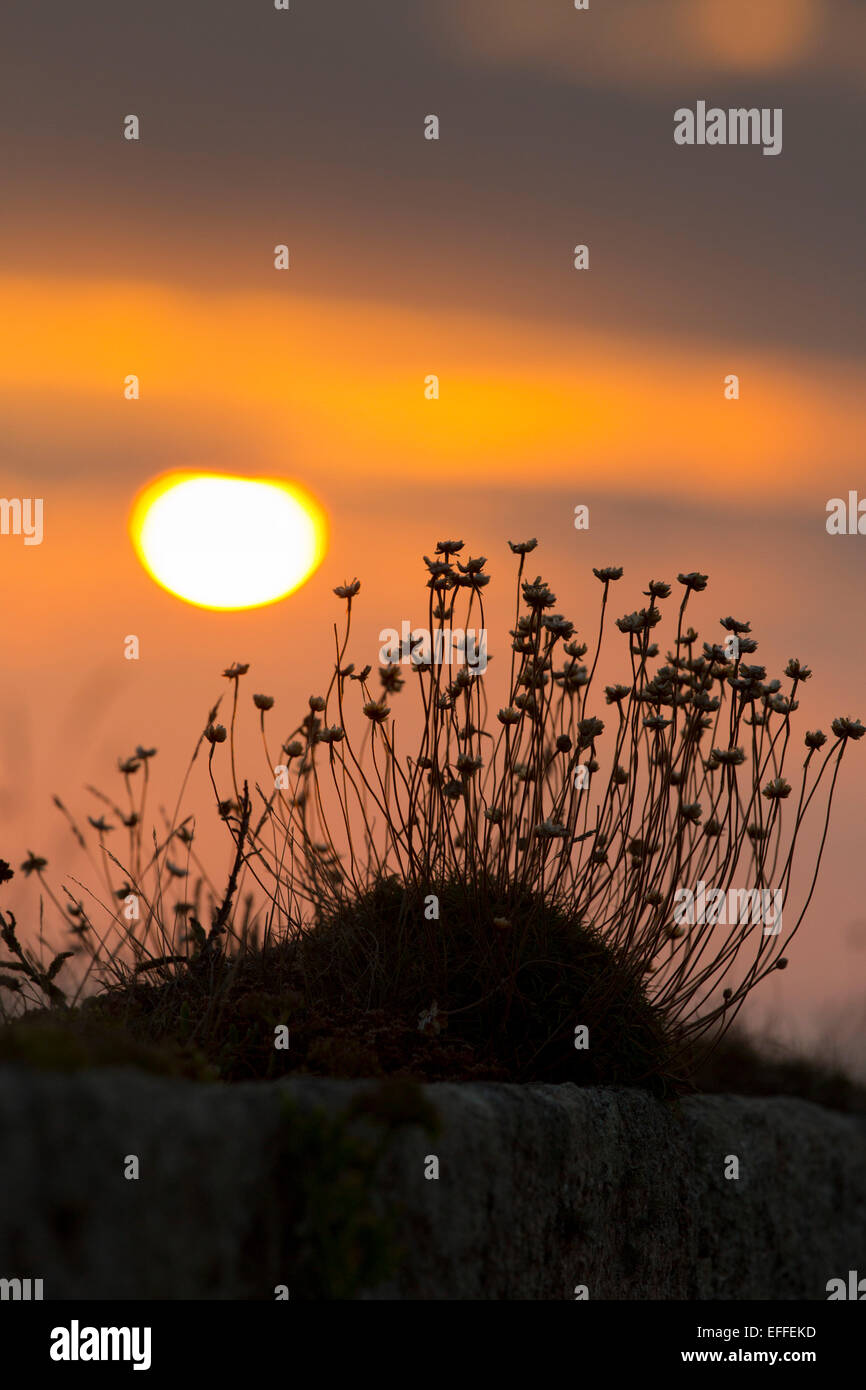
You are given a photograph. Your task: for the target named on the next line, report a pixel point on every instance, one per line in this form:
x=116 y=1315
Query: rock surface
x=540 y=1189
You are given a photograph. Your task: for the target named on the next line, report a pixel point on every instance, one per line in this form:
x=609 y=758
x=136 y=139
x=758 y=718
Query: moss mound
x=382 y=986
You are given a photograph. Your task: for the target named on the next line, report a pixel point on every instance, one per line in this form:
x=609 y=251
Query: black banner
x=220 y=1340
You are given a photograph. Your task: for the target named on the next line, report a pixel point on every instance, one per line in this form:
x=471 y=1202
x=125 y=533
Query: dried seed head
x=795 y=670
x=33 y=864
x=615 y=694
x=333 y=734
x=391 y=679
x=472 y=566
x=693 y=580
x=550 y=830
x=558 y=626
x=848 y=728
x=589 y=729
x=777 y=789
x=729 y=757
x=537 y=595
x=376 y=711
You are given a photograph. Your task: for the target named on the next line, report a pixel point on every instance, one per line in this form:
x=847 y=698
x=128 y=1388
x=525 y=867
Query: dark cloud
x=308 y=124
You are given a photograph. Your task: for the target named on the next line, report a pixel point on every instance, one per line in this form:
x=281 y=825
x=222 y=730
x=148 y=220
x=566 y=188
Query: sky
x=411 y=257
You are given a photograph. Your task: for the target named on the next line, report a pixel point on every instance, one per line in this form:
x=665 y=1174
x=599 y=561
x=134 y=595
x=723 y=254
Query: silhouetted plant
x=554 y=837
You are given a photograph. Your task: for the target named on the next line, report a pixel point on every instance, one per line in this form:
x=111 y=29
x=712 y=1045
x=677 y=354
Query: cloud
x=656 y=44
x=320 y=388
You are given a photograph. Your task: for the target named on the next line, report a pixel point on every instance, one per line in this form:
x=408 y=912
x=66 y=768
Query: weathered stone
x=540 y=1189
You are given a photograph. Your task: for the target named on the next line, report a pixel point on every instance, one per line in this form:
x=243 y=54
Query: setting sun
x=226 y=542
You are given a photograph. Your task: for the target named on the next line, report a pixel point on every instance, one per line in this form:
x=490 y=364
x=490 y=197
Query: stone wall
x=320 y=1186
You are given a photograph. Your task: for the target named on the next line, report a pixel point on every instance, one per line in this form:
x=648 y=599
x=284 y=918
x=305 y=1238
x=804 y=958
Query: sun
x=225 y=542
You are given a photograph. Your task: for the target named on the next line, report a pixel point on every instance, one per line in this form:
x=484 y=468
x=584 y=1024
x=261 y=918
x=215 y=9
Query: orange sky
x=410 y=258
x=325 y=388
x=70 y=704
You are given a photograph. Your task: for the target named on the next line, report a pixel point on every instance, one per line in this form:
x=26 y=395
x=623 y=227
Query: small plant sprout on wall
x=513 y=898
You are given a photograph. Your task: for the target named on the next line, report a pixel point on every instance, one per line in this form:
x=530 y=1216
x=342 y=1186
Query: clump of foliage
x=743 y=1066
x=468 y=909
x=338 y=1242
